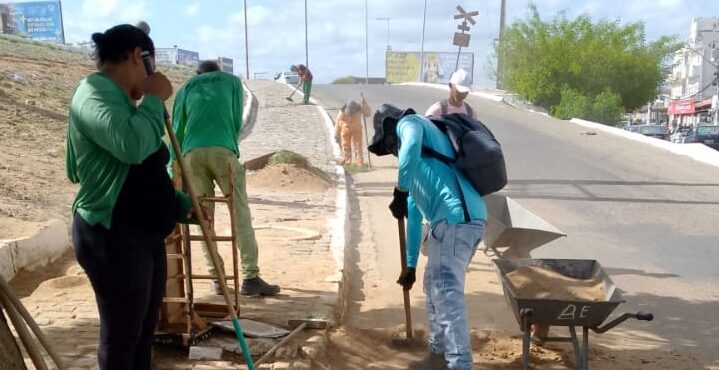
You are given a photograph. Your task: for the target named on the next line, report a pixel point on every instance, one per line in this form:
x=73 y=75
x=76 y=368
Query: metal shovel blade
x=509 y=225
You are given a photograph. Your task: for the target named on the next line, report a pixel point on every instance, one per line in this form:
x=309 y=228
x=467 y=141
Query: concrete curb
x=483 y=95
x=45 y=246
x=697 y=152
x=249 y=113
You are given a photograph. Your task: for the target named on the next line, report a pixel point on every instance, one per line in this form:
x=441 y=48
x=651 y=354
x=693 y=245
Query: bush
x=349 y=80
x=607 y=108
x=572 y=104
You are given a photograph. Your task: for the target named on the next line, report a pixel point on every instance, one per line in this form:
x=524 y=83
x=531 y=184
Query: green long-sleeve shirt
x=106 y=134
x=208 y=112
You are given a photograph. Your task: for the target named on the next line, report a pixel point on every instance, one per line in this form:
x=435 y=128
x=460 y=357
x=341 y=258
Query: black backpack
x=478 y=153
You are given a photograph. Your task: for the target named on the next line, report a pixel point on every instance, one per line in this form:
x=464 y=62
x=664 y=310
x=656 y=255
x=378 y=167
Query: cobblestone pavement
x=64 y=306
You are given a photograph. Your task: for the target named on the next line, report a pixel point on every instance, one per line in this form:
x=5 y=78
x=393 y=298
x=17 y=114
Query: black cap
x=385 y=118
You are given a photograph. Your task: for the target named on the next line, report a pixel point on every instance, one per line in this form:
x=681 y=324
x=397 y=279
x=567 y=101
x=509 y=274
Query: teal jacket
x=434 y=187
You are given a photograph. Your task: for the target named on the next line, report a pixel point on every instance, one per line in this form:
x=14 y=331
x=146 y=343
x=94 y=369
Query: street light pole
x=421 y=47
x=501 y=33
x=307 y=52
x=386 y=19
x=247 y=47
x=366 y=41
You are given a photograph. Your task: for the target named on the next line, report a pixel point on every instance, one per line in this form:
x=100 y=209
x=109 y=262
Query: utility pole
x=386 y=19
x=307 y=49
x=366 y=42
x=502 y=15
x=247 y=47
x=421 y=47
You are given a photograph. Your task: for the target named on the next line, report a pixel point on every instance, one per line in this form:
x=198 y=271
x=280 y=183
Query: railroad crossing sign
x=461 y=39
x=468 y=17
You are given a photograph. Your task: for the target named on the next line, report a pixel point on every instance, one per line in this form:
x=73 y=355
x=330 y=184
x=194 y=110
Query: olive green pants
x=207 y=166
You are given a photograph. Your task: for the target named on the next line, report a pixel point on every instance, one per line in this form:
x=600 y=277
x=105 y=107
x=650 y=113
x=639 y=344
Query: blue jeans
x=451 y=248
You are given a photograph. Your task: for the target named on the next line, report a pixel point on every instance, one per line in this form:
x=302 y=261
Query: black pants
x=128 y=271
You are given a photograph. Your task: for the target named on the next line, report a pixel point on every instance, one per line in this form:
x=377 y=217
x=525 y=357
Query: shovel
x=289 y=98
x=405 y=293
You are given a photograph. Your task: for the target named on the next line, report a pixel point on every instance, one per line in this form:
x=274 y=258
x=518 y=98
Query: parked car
x=707 y=135
x=655 y=131
x=679 y=134
x=288 y=77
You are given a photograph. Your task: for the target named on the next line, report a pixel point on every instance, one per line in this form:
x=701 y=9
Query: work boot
x=433 y=361
x=257 y=286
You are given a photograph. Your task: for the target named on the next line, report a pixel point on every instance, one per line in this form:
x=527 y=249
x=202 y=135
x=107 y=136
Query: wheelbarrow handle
x=644 y=316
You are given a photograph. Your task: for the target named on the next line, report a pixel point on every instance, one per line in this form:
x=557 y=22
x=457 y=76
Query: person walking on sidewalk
x=126 y=204
x=207 y=119
x=305 y=80
x=429 y=189
x=459 y=88
x=348 y=129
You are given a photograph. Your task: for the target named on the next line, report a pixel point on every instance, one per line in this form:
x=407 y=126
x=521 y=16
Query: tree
x=610 y=65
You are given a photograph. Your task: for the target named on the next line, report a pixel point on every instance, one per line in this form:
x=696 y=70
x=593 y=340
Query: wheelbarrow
x=590 y=315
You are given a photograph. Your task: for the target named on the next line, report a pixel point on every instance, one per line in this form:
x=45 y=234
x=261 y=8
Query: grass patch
x=288 y=157
x=354 y=168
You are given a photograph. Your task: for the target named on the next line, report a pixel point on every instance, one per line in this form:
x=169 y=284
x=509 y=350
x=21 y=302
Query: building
x=694 y=76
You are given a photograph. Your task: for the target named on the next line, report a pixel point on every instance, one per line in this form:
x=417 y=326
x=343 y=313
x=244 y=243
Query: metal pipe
x=307 y=49
x=366 y=41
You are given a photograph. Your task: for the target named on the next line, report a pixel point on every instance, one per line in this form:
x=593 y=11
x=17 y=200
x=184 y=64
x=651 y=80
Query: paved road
x=648 y=216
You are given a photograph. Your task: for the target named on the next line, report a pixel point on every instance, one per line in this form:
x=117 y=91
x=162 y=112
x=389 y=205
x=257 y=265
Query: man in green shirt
x=207 y=119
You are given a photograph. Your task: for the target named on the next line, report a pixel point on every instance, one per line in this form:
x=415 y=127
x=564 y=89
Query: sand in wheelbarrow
x=537 y=282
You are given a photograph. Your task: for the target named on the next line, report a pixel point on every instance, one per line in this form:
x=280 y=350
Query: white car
x=289 y=77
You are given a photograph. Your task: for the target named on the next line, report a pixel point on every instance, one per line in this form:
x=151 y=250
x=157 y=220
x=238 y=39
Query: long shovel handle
x=366 y=134
x=405 y=293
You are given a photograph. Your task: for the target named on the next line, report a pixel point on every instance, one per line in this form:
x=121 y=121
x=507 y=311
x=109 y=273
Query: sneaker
x=215 y=288
x=257 y=286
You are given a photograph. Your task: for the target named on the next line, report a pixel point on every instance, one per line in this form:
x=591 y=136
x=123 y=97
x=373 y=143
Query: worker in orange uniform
x=349 y=130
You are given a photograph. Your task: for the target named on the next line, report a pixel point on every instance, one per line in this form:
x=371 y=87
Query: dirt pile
x=538 y=282
x=287 y=177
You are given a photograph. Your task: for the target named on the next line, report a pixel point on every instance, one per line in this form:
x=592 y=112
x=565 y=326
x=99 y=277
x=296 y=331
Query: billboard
x=678 y=107
x=226 y=64
x=438 y=67
x=166 y=55
x=37 y=20
x=188 y=58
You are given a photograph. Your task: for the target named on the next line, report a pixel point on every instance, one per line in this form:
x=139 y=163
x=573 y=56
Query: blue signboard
x=38 y=20
x=188 y=58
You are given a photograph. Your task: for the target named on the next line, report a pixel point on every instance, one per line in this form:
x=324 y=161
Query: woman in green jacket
x=126 y=204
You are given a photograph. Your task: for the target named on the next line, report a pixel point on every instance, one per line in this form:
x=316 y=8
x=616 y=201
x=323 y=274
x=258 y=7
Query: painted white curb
x=45 y=246
x=484 y=95
x=696 y=151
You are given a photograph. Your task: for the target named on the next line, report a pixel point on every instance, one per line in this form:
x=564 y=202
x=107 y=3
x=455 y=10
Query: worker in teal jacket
x=434 y=191
x=207 y=119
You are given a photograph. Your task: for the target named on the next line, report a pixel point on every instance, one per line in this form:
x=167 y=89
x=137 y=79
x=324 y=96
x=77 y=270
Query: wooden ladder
x=183 y=321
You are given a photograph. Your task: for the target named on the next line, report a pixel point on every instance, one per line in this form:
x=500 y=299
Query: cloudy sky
x=337 y=27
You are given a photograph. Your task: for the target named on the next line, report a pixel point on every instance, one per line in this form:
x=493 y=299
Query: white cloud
x=192 y=10
x=98 y=8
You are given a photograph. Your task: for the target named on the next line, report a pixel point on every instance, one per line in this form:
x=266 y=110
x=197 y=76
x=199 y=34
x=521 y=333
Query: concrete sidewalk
x=293 y=231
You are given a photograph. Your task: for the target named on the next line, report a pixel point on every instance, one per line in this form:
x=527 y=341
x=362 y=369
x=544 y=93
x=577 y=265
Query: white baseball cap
x=461 y=81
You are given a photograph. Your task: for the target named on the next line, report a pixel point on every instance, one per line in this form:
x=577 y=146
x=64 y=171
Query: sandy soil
x=537 y=282
x=287 y=177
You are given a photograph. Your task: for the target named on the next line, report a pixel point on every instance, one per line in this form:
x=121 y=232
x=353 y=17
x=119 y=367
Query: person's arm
x=414 y=232
x=129 y=135
x=338 y=124
x=410 y=133
x=179 y=119
x=366 y=111
x=434 y=110
x=237 y=108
